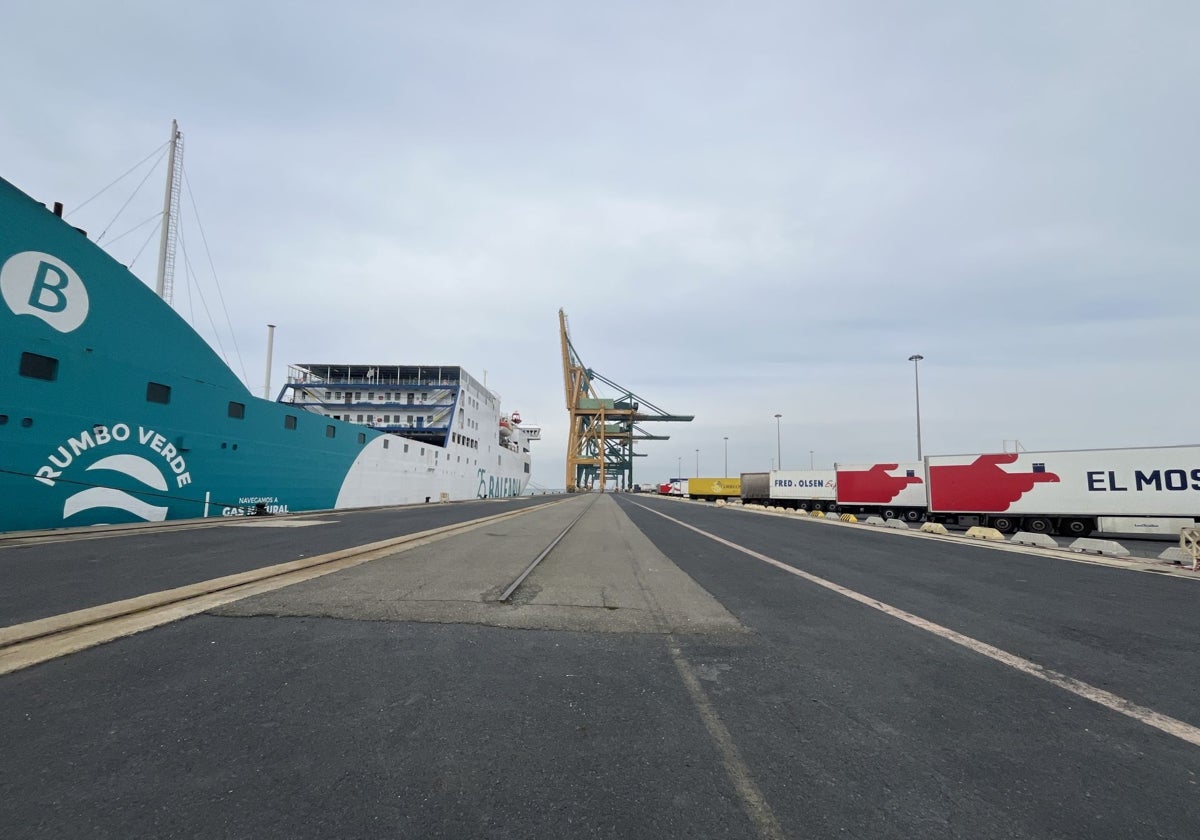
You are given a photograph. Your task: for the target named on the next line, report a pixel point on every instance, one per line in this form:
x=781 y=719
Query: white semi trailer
x=1149 y=491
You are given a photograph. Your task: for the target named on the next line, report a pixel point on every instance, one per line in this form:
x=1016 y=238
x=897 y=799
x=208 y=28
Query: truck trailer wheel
x=1004 y=524
x=912 y=515
x=888 y=513
x=1075 y=527
x=1039 y=525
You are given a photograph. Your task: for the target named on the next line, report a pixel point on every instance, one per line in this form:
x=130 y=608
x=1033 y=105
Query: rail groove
x=512 y=587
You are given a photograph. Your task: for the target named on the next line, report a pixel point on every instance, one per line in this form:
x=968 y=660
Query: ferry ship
x=114 y=410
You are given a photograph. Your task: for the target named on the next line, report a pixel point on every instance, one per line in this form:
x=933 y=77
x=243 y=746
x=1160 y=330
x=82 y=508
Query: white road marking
x=1142 y=714
x=753 y=801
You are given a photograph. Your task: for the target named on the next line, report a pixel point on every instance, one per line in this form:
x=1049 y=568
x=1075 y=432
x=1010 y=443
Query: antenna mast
x=170 y=222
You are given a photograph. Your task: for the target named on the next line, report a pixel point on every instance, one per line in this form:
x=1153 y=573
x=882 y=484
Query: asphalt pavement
x=791 y=710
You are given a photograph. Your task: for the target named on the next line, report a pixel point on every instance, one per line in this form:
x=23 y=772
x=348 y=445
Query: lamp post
x=810 y=460
x=727 y=456
x=679 y=467
x=778 y=455
x=697 y=463
x=916 y=360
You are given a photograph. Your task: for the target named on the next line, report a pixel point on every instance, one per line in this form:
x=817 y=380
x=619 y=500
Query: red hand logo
x=873 y=486
x=981 y=485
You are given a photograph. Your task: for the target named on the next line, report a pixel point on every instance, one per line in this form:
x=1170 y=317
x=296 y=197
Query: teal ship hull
x=114 y=410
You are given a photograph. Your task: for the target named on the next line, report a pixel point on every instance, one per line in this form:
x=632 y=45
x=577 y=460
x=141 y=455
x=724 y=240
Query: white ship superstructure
x=447 y=437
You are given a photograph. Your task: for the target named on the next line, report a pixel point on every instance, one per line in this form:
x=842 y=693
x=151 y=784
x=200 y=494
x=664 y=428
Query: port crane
x=603 y=430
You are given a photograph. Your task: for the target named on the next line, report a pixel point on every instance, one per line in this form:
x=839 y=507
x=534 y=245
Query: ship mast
x=170 y=221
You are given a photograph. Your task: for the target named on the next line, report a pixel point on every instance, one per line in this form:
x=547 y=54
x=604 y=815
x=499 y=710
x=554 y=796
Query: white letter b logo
x=41 y=285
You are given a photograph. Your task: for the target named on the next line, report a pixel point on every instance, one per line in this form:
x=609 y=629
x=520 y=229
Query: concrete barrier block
x=899 y=524
x=816 y=514
x=1040 y=540
x=1175 y=554
x=720 y=503
x=874 y=520
x=935 y=528
x=1091 y=545
x=978 y=532
x=848 y=517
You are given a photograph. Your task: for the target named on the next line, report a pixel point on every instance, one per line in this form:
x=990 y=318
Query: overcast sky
x=745 y=208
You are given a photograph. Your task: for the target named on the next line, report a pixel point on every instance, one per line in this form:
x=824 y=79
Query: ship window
x=157 y=393
x=422 y=450
x=330 y=431
x=39 y=367
x=3 y=419
x=337 y=395
x=526 y=468
x=326 y=395
x=362 y=437
x=360 y=418
x=406 y=447
x=26 y=422
x=289 y=421
x=385 y=443
x=358 y=395
x=237 y=410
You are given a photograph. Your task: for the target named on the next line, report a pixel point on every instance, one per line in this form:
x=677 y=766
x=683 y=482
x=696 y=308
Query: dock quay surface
x=592 y=666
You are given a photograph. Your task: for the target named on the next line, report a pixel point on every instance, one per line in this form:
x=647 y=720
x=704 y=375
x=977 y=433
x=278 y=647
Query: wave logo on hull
x=39 y=284
x=133 y=466
x=122 y=481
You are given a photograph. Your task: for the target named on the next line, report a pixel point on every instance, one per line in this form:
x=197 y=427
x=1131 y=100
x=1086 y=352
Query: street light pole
x=727 y=456
x=778 y=455
x=916 y=360
x=810 y=460
x=697 y=463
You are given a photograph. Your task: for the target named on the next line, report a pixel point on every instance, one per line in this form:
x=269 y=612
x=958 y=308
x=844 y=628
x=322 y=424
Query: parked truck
x=804 y=489
x=893 y=491
x=711 y=489
x=756 y=488
x=1151 y=490
x=674 y=487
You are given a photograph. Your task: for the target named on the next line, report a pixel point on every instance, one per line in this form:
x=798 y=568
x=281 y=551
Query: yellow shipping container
x=714 y=488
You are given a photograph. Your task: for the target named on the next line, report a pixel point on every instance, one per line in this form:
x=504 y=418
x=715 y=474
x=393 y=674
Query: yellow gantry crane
x=603 y=430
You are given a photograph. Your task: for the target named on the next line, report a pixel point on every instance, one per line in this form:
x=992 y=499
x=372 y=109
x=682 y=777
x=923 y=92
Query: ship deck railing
x=370 y=406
